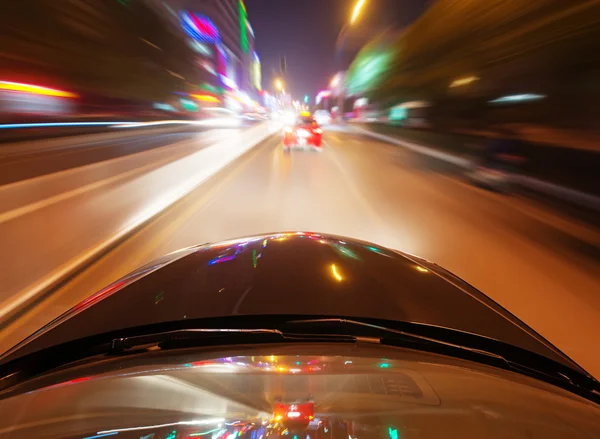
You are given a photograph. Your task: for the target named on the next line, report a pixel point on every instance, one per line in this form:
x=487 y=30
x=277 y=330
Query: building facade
x=223 y=39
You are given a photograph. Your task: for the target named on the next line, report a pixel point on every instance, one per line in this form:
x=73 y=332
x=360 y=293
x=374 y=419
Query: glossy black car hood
x=294 y=274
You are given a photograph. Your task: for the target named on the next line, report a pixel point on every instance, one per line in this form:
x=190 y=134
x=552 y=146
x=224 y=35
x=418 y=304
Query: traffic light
x=306 y=99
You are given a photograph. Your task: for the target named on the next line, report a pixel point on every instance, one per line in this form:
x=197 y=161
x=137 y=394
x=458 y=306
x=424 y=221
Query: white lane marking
x=460 y=161
x=32 y=207
x=46 y=202
x=214 y=134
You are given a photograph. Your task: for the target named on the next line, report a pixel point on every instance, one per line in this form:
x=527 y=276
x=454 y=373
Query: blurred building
x=221 y=35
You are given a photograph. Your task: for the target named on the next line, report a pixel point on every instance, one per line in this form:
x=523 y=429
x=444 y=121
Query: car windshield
x=313 y=393
x=305 y=120
x=417 y=176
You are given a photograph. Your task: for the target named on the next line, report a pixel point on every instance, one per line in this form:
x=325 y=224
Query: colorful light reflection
x=35 y=89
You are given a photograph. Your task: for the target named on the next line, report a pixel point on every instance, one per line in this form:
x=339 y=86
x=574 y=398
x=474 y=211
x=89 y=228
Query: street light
x=335 y=81
x=356 y=11
x=279 y=84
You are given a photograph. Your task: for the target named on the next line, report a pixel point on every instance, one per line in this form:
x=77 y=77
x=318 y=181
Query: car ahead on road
x=292 y=334
x=323 y=117
x=304 y=133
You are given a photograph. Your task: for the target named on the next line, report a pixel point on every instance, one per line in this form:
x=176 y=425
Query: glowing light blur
x=518 y=98
x=206 y=98
x=101 y=435
x=35 y=89
x=335 y=273
x=59 y=124
x=172 y=424
x=463 y=81
x=357 y=10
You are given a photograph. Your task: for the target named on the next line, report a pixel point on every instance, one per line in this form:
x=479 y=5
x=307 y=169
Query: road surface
x=539 y=265
x=24 y=160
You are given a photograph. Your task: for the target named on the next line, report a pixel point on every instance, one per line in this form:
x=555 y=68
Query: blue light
x=58 y=124
x=223 y=259
x=200 y=27
x=101 y=435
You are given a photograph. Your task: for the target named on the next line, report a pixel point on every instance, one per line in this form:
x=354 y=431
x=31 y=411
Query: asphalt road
x=541 y=266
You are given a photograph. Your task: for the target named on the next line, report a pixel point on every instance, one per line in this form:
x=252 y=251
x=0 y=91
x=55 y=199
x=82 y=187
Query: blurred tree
x=510 y=46
x=114 y=48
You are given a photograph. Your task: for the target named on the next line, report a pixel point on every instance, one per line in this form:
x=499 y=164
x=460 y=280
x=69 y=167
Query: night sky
x=305 y=31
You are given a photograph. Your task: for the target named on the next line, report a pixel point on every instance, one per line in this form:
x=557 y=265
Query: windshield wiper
x=471 y=347
x=409 y=336
x=203 y=336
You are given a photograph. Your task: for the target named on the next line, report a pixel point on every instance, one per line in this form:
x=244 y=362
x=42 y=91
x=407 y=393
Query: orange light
x=278 y=418
x=35 y=89
x=311 y=417
x=206 y=98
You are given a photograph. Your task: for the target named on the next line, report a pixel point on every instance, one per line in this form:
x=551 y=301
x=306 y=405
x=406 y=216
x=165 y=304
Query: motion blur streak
x=118 y=202
x=35 y=89
x=369 y=190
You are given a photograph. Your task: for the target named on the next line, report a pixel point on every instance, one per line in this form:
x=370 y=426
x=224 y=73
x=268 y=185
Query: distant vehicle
x=304 y=133
x=293 y=335
x=322 y=117
x=294 y=414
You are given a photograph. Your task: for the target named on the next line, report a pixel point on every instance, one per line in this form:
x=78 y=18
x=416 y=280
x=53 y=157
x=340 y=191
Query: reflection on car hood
x=294 y=274
x=349 y=392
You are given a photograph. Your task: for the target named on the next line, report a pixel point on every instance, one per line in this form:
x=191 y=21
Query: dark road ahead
x=522 y=255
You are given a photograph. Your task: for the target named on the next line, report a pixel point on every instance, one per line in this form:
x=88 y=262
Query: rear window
x=305 y=120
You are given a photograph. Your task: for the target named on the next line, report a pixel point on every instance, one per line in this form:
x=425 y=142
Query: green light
x=374 y=250
x=306 y=99
x=243 y=27
x=384 y=365
x=212 y=89
x=397 y=113
x=172 y=435
x=393 y=433
x=297 y=363
x=254 y=259
x=188 y=105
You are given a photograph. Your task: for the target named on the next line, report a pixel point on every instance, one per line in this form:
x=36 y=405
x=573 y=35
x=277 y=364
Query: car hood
x=293 y=273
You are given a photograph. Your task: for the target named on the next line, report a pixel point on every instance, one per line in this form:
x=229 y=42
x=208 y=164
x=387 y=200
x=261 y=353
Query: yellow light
x=278 y=418
x=357 y=9
x=35 y=89
x=272 y=357
x=305 y=113
x=281 y=369
x=206 y=98
x=335 y=81
x=421 y=269
x=463 y=81
x=279 y=84
x=335 y=273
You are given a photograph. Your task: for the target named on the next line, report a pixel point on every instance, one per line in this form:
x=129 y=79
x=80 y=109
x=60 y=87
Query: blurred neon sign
x=200 y=27
x=35 y=89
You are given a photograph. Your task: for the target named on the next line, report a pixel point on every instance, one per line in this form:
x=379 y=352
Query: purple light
x=200 y=27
